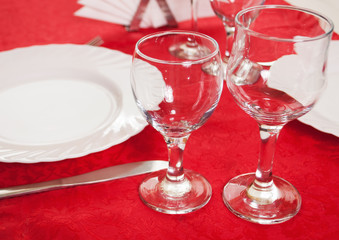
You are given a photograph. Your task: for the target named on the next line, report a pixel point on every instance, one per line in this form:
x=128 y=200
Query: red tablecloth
x=227 y=145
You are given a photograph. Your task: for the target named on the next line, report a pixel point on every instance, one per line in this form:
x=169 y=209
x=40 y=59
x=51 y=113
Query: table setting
x=169 y=119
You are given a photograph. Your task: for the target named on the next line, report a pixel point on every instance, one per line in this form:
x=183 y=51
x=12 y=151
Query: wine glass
x=176 y=97
x=226 y=11
x=189 y=48
x=276 y=73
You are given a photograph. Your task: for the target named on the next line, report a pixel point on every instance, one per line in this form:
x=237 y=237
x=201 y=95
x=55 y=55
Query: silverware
x=168 y=13
x=97 y=41
x=97 y=176
x=137 y=17
x=139 y=14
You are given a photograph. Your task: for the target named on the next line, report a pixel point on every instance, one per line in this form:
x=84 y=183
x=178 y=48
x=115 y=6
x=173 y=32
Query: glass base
x=278 y=205
x=189 y=51
x=164 y=196
x=213 y=68
x=224 y=65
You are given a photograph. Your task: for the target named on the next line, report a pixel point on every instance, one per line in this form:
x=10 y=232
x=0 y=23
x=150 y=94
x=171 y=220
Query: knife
x=97 y=176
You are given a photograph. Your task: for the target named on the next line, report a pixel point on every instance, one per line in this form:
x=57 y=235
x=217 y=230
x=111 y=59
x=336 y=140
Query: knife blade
x=97 y=176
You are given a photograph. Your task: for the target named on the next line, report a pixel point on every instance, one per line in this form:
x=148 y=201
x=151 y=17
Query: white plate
x=64 y=101
x=325 y=114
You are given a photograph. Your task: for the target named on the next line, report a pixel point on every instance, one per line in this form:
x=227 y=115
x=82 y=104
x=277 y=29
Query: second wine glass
x=276 y=73
x=176 y=97
x=226 y=10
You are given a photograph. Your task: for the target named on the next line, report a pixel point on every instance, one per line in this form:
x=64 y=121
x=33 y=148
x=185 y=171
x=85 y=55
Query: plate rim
x=135 y=122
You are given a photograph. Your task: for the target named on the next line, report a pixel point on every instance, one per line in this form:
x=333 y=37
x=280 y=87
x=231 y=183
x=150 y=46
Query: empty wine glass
x=226 y=11
x=276 y=73
x=189 y=48
x=176 y=97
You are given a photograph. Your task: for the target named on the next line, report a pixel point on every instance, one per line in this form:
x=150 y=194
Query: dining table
x=225 y=146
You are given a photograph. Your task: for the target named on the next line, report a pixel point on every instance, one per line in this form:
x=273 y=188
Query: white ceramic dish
x=64 y=101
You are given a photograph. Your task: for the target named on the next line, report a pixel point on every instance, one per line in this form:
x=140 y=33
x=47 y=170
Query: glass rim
x=180 y=61
x=294 y=8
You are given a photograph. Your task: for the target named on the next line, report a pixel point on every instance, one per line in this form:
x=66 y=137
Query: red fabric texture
x=226 y=146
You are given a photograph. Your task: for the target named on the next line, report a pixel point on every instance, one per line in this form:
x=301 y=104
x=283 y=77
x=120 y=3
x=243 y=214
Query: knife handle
x=97 y=176
x=31 y=188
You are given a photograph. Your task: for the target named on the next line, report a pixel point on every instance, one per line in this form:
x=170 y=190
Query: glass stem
x=194 y=15
x=229 y=33
x=176 y=147
x=263 y=189
x=194 y=22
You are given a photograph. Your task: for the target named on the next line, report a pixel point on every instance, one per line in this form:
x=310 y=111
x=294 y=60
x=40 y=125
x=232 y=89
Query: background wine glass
x=190 y=49
x=176 y=97
x=226 y=11
x=276 y=73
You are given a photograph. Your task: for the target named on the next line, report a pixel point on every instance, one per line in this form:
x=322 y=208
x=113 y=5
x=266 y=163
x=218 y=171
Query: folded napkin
x=330 y=8
x=122 y=11
x=325 y=114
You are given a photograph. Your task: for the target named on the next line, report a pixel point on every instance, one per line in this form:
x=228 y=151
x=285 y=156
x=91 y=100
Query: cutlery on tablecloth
x=97 y=41
x=97 y=176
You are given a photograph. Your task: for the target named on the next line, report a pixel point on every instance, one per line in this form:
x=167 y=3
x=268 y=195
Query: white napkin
x=330 y=8
x=122 y=11
x=325 y=114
